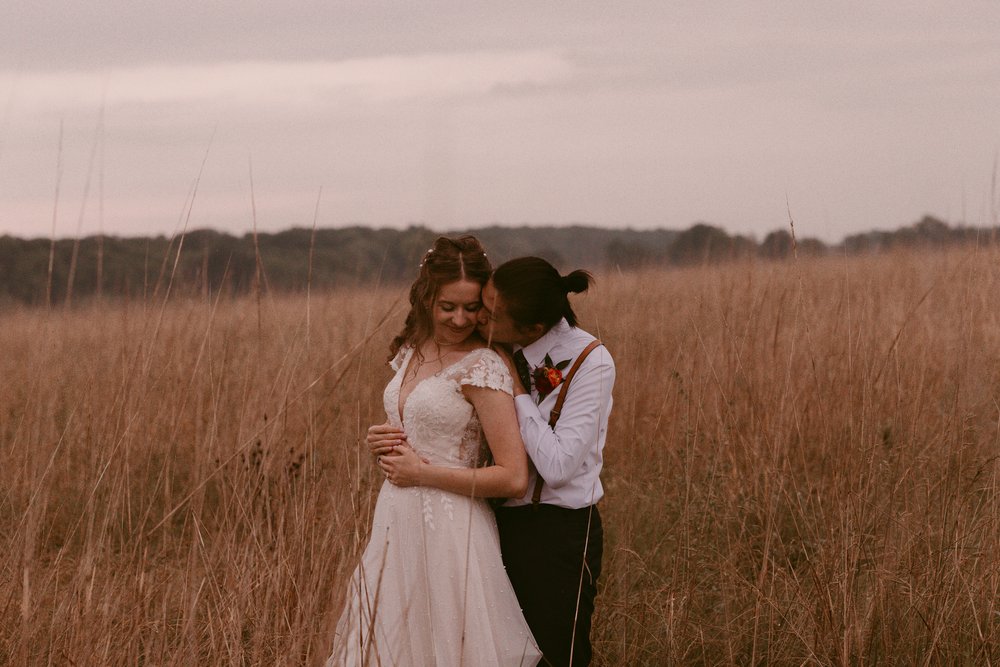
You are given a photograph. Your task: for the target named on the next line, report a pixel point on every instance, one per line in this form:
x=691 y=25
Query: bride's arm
x=506 y=478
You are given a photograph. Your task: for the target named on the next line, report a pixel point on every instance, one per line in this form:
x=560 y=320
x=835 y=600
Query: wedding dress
x=431 y=588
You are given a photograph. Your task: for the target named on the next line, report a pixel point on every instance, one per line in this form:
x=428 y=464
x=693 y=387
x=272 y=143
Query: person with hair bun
x=551 y=537
x=431 y=587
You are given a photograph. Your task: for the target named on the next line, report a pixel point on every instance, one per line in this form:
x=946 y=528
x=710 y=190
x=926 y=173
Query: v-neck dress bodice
x=439 y=422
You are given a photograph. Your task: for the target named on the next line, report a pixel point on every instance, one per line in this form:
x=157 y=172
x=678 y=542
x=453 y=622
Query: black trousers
x=553 y=558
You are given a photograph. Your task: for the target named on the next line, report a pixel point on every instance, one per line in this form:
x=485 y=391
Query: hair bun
x=577 y=281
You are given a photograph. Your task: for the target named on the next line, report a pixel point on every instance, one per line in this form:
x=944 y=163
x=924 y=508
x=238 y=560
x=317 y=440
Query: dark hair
x=447 y=261
x=535 y=293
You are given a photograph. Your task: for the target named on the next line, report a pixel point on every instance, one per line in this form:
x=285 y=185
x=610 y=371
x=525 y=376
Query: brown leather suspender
x=557 y=410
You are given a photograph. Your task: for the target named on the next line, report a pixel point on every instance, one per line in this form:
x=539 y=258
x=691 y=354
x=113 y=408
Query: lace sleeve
x=489 y=371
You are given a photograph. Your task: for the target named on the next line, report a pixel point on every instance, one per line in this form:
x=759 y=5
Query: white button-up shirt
x=570 y=457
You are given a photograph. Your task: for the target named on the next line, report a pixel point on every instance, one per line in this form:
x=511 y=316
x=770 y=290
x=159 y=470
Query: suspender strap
x=557 y=410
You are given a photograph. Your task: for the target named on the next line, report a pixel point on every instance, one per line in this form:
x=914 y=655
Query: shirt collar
x=535 y=353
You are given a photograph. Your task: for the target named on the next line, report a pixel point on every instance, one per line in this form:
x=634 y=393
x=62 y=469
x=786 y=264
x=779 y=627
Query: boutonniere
x=548 y=376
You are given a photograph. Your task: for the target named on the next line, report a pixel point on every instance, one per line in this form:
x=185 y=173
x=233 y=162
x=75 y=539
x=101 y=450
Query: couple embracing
x=497 y=395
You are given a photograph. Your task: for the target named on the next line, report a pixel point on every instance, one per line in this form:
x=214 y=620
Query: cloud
x=661 y=113
x=271 y=83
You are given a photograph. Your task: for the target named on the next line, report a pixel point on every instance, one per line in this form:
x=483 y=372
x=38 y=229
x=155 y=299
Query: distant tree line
x=37 y=271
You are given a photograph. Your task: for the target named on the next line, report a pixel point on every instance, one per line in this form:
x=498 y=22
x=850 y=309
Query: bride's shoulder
x=480 y=350
x=397 y=361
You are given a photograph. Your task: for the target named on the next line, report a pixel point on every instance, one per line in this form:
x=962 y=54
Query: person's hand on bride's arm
x=384 y=438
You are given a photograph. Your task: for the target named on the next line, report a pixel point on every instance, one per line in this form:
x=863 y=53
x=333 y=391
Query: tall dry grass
x=801 y=469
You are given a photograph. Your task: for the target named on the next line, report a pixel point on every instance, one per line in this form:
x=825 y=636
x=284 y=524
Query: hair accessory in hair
x=430 y=251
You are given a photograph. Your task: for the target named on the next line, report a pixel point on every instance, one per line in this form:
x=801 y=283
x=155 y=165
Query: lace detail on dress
x=428 y=511
x=444 y=499
x=397 y=361
x=473 y=448
x=437 y=417
x=488 y=370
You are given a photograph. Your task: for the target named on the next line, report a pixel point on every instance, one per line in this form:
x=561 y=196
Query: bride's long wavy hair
x=447 y=261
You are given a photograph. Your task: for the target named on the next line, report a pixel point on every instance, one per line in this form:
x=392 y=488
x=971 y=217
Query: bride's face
x=456 y=311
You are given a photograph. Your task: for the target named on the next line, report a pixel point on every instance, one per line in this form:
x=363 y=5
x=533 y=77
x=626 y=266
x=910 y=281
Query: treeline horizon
x=205 y=261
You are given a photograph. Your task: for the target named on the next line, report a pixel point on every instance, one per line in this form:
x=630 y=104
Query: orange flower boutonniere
x=548 y=376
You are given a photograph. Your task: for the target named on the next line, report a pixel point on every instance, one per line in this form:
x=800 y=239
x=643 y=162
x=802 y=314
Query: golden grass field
x=801 y=468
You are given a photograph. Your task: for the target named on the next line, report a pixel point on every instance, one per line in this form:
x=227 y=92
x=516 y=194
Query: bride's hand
x=403 y=466
x=382 y=438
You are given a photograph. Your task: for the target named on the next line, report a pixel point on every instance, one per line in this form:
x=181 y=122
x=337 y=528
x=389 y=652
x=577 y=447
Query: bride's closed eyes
x=448 y=307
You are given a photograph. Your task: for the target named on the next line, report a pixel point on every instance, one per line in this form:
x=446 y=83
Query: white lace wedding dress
x=431 y=588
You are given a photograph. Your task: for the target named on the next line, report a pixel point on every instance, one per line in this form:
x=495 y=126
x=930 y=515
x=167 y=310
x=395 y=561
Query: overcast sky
x=463 y=114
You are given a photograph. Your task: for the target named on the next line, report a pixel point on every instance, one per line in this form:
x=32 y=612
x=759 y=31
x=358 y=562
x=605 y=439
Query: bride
x=431 y=588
